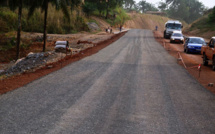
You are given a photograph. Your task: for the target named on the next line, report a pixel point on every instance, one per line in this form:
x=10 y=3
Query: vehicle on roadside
x=177 y=37
x=62 y=46
x=208 y=53
x=170 y=26
x=194 y=44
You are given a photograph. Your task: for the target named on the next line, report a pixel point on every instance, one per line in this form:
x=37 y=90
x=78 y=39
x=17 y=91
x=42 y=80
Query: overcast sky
x=207 y=3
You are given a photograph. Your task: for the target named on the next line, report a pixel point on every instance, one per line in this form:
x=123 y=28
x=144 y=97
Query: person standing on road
x=156 y=28
x=120 y=28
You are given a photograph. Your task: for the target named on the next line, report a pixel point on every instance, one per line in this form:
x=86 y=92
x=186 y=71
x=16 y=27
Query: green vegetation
x=54 y=16
x=8 y=20
x=142 y=6
x=121 y=16
x=57 y=23
x=11 y=43
x=186 y=10
x=212 y=16
x=205 y=26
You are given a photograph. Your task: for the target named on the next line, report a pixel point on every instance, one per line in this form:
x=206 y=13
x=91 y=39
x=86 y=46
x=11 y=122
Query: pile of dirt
x=32 y=62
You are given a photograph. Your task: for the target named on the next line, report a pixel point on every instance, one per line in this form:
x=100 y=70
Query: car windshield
x=177 y=35
x=197 y=40
x=173 y=26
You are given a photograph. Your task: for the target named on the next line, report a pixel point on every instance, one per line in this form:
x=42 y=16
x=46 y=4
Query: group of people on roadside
x=109 y=29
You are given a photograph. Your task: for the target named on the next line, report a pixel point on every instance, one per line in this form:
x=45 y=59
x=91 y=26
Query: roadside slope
x=146 y=21
x=201 y=27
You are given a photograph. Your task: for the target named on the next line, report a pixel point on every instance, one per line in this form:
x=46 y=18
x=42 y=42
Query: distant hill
x=147 y=21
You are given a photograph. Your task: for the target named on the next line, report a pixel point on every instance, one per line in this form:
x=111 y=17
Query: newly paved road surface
x=132 y=86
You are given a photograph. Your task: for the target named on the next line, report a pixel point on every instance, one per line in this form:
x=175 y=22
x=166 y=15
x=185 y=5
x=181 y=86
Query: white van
x=170 y=26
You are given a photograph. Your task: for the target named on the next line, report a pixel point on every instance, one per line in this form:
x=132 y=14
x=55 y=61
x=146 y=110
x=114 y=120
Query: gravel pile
x=93 y=26
x=32 y=62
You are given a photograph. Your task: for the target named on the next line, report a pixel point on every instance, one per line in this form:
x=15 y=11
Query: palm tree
x=60 y=4
x=19 y=28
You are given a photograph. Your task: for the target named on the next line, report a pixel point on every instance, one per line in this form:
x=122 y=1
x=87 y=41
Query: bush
x=121 y=16
x=56 y=21
x=34 y=23
x=211 y=16
x=8 y=19
x=10 y=43
x=3 y=26
x=89 y=8
x=81 y=23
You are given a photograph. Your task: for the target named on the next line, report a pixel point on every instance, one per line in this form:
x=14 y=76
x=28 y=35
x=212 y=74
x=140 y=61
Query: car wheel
x=213 y=64
x=205 y=62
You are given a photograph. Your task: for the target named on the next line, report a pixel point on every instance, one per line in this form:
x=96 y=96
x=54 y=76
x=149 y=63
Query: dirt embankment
x=201 y=28
x=146 y=21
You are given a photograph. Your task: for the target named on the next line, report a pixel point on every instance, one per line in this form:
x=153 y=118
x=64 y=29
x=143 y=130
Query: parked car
x=208 y=53
x=177 y=37
x=194 y=44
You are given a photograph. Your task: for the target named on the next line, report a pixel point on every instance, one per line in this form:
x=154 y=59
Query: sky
x=207 y=3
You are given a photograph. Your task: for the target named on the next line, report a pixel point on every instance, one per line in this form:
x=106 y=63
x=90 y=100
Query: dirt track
x=192 y=61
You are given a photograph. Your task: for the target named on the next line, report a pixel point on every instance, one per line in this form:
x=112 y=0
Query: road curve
x=133 y=86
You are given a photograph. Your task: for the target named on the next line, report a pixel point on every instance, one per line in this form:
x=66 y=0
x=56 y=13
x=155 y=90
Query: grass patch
x=57 y=23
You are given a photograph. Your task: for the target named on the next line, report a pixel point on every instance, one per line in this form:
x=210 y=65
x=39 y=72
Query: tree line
x=187 y=10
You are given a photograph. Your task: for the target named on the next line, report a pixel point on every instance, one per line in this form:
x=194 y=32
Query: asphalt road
x=132 y=86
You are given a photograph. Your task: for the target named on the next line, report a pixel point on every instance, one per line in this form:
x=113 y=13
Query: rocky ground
x=35 y=60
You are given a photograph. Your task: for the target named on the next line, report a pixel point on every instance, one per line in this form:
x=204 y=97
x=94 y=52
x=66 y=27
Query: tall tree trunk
x=19 y=29
x=107 y=10
x=45 y=25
